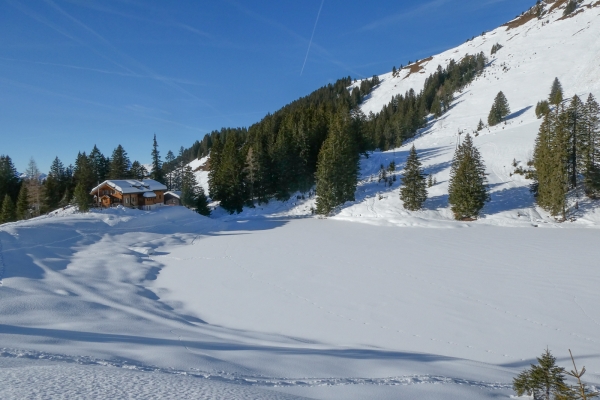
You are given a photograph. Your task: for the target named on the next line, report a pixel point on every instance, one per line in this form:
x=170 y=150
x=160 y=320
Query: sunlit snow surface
x=276 y=304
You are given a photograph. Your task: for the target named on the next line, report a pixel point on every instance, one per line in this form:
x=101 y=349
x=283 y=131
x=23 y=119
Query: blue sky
x=76 y=73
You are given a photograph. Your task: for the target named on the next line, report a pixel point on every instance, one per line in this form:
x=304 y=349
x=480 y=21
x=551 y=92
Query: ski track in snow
x=252 y=380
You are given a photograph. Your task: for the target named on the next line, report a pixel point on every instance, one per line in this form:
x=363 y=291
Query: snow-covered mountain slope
x=534 y=52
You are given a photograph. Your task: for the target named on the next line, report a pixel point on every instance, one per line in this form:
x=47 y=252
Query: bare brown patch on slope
x=557 y=4
x=417 y=67
x=520 y=21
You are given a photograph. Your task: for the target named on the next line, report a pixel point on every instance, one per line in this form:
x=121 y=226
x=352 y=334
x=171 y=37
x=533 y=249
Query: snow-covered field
x=276 y=304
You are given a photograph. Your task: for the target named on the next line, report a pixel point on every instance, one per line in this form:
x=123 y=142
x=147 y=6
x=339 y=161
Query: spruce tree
x=499 y=110
x=138 y=171
x=542 y=108
x=556 y=93
x=157 y=166
x=201 y=203
x=168 y=169
x=232 y=176
x=591 y=153
x=215 y=176
x=188 y=187
x=544 y=381
x=99 y=166
x=51 y=194
x=577 y=138
x=337 y=167
x=467 y=189
x=8 y=212
x=119 y=164
x=82 y=198
x=9 y=182
x=550 y=160
x=23 y=203
x=413 y=192
x=34 y=187
x=571 y=6
x=480 y=126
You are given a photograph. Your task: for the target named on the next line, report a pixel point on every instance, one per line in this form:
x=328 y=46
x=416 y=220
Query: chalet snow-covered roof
x=149 y=194
x=128 y=186
x=174 y=193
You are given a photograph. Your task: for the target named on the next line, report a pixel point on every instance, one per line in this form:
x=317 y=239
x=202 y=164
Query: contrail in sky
x=311 y=37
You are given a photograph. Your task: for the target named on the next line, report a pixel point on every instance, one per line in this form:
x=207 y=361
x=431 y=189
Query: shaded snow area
x=273 y=303
x=169 y=304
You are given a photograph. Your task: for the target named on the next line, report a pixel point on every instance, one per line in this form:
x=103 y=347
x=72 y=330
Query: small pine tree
x=429 y=180
x=543 y=381
x=480 y=126
x=581 y=391
x=82 y=198
x=499 y=110
x=8 y=212
x=556 y=93
x=23 y=203
x=467 y=188
x=202 y=203
x=413 y=192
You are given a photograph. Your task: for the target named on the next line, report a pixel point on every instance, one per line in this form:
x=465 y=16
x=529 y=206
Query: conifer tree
x=8 y=212
x=215 y=179
x=138 y=171
x=544 y=381
x=480 y=126
x=34 y=187
x=232 y=176
x=157 y=166
x=571 y=6
x=542 y=108
x=413 y=192
x=99 y=166
x=51 y=194
x=9 y=182
x=188 y=187
x=499 y=110
x=591 y=153
x=119 y=164
x=82 y=198
x=168 y=169
x=550 y=160
x=337 y=167
x=201 y=203
x=467 y=189
x=556 y=93
x=23 y=203
x=575 y=120
x=84 y=171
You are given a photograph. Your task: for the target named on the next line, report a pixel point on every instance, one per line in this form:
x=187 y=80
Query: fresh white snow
x=276 y=304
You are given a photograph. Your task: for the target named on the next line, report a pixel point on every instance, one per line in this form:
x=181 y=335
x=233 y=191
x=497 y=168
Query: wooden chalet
x=173 y=198
x=145 y=194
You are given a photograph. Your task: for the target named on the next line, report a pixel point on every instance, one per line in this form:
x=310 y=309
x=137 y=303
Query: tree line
x=316 y=141
x=34 y=194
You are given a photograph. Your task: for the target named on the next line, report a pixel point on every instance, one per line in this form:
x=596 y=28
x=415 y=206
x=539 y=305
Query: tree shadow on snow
x=94 y=337
x=517 y=114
